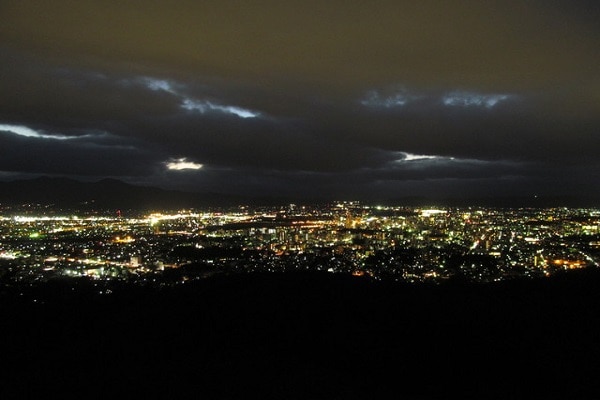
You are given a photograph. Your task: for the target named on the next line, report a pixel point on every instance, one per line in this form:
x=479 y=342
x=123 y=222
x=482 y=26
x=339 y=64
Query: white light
x=431 y=212
x=400 y=99
x=28 y=132
x=204 y=106
x=414 y=157
x=457 y=98
x=469 y=99
x=191 y=104
x=182 y=164
x=240 y=112
x=418 y=157
x=159 y=84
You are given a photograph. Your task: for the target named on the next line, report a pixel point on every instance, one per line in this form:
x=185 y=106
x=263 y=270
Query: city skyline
x=346 y=100
x=470 y=245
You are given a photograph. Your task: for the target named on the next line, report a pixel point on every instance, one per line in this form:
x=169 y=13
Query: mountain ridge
x=107 y=193
x=111 y=193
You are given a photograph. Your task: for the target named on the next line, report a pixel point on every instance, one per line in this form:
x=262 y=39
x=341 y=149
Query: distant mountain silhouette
x=499 y=201
x=105 y=194
x=66 y=193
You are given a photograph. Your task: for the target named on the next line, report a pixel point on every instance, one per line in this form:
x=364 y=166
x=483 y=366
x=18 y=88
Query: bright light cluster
x=418 y=157
x=181 y=164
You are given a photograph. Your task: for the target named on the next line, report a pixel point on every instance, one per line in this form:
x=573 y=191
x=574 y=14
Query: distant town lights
x=431 y=212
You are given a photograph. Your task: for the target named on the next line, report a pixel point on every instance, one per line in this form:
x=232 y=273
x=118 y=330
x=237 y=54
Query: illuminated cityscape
x=300 y=200
x=401 y=244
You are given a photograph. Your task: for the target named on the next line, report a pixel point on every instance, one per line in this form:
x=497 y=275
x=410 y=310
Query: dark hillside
x=104 y=194
x=309 y=336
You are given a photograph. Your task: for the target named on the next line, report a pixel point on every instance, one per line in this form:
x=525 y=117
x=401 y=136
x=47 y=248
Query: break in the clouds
x=206 y=106
x=182 y=164
x=417 y=157
x=158 y=84
x=337 y=98
x=193 y=104
x=32 y=133
x=471 y=99
x=456 y=98
x=401 y=98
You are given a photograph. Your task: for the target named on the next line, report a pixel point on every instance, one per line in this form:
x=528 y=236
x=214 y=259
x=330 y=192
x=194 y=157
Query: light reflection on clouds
x=376 y=99
x=417 y=157
x=470 y=99
x=193 y=104
x=31 y=133
x=401 y=98
x=181 y=164
x=158 y=84
x=204 y=106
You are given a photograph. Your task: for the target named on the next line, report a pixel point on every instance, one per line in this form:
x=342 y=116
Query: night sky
x=356 y=100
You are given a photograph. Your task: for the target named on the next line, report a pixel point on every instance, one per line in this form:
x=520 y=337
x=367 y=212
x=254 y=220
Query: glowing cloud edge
x=182 y=164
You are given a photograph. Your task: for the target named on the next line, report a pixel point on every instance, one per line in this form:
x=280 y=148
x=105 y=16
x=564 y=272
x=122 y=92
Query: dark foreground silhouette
x=308 y=336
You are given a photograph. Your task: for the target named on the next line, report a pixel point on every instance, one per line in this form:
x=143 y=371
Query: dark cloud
x=308 y=99
x=64 y=155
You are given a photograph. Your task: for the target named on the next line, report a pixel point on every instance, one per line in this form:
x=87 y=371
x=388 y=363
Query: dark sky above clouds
x=365 y=100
